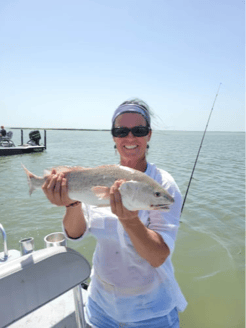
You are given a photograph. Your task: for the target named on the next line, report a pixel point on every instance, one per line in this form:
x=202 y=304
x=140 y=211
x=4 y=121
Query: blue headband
x=130 y=108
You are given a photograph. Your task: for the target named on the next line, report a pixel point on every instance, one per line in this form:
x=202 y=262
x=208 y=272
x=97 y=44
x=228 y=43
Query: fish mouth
x=169 y=199
x=160 y=207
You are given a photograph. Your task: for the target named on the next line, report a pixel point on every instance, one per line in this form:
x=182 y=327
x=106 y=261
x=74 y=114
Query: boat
x=42 y=288
x=7 y=146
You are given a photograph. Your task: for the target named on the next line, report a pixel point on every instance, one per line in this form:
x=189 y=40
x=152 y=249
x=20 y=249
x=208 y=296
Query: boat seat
x=31 y=281
x=9 y=134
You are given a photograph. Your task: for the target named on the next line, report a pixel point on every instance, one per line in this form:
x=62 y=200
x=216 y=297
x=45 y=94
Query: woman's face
x=131 y=147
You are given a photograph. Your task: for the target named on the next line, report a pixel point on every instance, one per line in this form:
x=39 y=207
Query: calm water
x=209 y=255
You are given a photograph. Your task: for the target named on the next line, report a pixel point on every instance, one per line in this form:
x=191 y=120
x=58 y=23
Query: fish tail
x=31 y=178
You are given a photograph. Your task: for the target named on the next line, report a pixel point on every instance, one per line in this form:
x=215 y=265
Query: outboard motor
x=34 y=136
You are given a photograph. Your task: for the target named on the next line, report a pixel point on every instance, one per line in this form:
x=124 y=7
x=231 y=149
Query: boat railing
x=5 y=248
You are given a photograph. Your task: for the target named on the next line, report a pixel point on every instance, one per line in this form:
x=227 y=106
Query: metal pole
x=45 y=139
x=79 y=308
x=199 y=150
x=21 y=137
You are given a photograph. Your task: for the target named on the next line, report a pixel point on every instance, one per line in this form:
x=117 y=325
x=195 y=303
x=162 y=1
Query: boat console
x=38 y=286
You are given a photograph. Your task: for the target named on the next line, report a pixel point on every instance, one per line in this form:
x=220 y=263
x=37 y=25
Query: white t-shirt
x=122 y=283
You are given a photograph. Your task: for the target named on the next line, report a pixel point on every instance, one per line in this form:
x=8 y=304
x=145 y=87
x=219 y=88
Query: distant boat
x=7 y=146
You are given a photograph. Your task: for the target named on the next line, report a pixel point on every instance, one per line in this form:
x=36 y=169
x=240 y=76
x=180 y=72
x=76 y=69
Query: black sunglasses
x=137 y=131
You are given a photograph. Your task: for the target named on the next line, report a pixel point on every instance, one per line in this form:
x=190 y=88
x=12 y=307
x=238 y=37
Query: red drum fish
x=91 y=186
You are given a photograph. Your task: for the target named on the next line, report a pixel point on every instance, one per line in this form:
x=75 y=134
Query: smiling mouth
x=131 y=147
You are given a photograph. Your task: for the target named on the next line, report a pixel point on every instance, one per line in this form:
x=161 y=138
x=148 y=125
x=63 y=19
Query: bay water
x=209 y=258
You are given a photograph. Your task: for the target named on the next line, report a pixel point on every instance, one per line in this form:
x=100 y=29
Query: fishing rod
x=199 y=150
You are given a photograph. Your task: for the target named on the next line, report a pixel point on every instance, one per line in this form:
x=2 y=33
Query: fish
x=92 y=186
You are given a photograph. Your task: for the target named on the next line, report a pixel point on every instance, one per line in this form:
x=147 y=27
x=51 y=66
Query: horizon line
x=106 y=130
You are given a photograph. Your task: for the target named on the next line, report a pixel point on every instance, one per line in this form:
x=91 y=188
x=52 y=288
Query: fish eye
x=157 y=194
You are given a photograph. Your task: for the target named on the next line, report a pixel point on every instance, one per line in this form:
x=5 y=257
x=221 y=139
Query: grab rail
x=5 y=249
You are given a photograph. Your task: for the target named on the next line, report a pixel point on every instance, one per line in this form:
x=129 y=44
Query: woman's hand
x=55 y=189
x=117 y=206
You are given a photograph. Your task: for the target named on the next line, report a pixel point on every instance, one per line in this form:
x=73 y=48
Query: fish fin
x=101 y=192
x=30 y=176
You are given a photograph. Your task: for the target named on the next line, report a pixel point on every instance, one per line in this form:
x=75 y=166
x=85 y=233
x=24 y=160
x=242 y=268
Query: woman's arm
x=74 y=222
x=148 y=243
x=55 y=189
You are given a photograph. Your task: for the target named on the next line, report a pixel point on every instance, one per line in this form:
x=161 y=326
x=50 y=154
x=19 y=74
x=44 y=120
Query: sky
x=70 y=64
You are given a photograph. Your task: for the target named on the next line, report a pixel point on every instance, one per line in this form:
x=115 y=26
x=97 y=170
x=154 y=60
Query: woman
x=132 y=280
